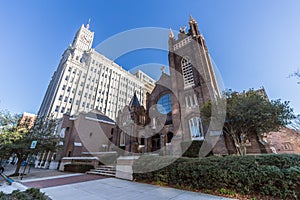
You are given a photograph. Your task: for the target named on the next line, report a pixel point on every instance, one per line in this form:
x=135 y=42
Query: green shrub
x=29 y=194
x=2 y=196
x=273 y=175
x=78 y=168
x=227 y=191
x=17 y=194
x=36 y=194
x=191 y=149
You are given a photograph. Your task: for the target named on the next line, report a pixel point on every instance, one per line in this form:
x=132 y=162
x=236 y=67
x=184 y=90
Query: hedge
x=29 y=194
x=79 y=168
x=272 y=175
x=191 y=149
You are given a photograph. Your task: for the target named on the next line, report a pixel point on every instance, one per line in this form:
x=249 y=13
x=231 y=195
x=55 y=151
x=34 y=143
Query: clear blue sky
x=254 y=43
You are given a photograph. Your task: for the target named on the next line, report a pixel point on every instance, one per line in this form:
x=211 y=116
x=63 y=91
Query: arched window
x=164 y=105
x=196 y=128
x=187 y=72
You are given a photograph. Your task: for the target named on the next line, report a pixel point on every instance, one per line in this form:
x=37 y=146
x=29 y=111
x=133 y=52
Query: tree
x=44 y=132
x=296 y=124
x=296 y=74
x=16 y=137
x=248 y=113
x=7 y=122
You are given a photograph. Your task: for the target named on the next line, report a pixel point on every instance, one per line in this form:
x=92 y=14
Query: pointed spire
x=162 y=69
x=134 y=101
x=88 y=24
x=171 y=34
x=194 y=30
x=192 y=20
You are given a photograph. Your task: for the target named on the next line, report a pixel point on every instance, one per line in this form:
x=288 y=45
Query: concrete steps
x=104 y=170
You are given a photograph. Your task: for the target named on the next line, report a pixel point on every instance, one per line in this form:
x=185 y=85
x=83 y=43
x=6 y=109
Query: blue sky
x=254 y=43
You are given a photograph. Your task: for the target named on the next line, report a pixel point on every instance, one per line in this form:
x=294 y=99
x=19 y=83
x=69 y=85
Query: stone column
x=46 y=165
x=37 y=160
x=54 y=162
x=42 y=160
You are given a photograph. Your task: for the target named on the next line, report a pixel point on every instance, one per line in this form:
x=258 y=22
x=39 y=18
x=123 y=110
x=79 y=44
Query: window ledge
x=198 y=138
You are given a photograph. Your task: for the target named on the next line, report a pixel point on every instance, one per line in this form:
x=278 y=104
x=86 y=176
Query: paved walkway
x=117 y=189
x=35 y=174
x=69 y=186
x=63 y=180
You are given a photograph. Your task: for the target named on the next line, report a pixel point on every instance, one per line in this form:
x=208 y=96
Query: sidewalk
x=117 y=189
x=69 y=186
x=35 y=173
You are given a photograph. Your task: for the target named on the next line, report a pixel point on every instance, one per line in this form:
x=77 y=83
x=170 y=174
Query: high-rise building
x=148 y=82
x=86 y=80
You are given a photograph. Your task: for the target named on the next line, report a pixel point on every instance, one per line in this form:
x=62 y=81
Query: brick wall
x=285 y=141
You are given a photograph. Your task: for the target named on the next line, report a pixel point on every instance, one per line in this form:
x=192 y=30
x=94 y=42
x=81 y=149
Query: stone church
x=172 y=113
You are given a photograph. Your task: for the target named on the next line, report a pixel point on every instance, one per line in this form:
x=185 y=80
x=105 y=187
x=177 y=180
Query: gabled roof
x=134 y=102
x=98 y=116
x=164 y=81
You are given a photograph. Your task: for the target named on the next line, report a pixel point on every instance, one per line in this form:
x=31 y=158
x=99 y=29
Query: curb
x=19 y=186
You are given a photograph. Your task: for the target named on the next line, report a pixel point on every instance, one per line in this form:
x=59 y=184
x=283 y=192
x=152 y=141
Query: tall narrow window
x=196 y=100
x=187 y=72
x=196 y=128
x=122 y=139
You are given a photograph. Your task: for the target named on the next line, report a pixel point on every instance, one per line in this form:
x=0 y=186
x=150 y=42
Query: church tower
x=192 y=77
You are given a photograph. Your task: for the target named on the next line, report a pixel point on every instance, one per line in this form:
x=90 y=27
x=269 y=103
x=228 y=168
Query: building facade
x=172 y=113
x=285 y=140
x=86 y=80
x=149 y=83
x=28 y=119
x=85 y=134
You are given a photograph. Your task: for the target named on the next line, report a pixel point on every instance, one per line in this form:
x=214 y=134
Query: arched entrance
x=155 y=142
x=169 y=137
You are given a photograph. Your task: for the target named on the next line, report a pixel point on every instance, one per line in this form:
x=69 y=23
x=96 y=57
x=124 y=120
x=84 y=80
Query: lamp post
x=32 y=146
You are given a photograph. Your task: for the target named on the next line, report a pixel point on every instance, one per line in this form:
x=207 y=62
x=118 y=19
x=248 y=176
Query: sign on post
x=33 y=144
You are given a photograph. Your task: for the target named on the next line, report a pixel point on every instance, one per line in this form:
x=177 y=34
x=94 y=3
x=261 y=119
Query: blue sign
x=33 y=144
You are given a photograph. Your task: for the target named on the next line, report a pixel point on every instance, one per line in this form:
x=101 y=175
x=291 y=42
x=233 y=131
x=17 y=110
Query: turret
x=171 y=39
x=194 y=30
x=84 y=38
x=134 y=103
